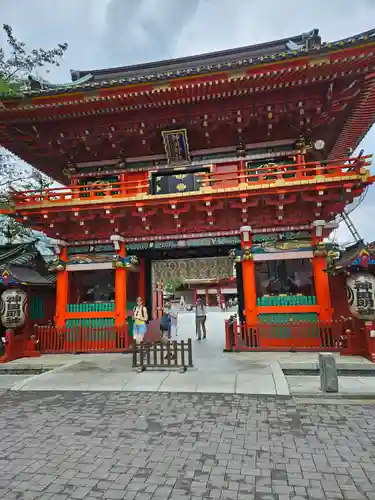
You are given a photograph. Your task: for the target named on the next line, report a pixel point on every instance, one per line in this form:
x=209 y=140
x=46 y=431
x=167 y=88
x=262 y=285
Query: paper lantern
x=361 y=295
x=13 y=307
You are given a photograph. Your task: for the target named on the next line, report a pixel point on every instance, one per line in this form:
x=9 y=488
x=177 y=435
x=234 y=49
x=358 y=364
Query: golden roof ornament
x=69 y=170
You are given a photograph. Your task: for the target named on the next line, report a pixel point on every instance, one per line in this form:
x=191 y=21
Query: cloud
x=107 y=33
x=145 y=30
x=229 y=23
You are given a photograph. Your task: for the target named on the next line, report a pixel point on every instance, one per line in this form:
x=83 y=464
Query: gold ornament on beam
x=69 y=170
x=304 y=147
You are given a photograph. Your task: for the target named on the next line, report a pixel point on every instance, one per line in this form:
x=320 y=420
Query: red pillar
x=120 y=291
x=154 y=300
x=142 y=280
x=160 y=300
x=242 y=171
x=74 y=184
x=248 y=276
x=62 y=284
x=321 y=281
x=207 y=297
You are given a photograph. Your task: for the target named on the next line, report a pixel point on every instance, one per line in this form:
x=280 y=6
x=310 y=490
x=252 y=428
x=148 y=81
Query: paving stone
x=114 y=494
x=143 y=446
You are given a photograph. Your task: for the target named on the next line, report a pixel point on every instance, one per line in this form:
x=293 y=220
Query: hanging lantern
x=13 y=307
x=361 y=295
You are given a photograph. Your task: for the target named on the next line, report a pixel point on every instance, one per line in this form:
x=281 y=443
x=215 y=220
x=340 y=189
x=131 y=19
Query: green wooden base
x=286 y=300
x=97 y=322
x=286 y=318
x=90 y=323
x=91 y=307
x=281 y=325
x=36 y=308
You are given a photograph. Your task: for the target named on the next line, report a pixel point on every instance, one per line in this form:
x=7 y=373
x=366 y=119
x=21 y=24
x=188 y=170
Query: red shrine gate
x=254 y=138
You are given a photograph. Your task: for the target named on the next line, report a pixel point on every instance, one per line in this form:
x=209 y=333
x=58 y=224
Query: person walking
x=182 y=303
x=173 y=315
x=200 y=319
x=140 y=317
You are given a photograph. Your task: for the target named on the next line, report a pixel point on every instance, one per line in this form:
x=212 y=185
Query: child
x=165 y=323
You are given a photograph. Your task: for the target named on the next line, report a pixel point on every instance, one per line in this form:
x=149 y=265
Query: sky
x=107 y=33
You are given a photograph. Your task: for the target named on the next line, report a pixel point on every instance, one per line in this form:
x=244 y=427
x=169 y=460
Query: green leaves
x=10 y=89
x=171 y=286
x=15 y=68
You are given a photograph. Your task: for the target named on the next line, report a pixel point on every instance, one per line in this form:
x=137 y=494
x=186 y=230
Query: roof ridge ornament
x=39 y=83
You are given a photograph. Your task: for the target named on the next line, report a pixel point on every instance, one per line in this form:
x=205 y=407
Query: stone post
x=328 y=374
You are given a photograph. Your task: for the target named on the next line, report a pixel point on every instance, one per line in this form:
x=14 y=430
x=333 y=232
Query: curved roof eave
x=266 y=47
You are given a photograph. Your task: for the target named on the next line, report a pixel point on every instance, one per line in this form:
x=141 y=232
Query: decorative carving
x=241 y=254
x=57 y=265
x=213 y=268
x=304 y=147
x=355 y=258
x=125 y=262
x=69 y=170
x=320 y=250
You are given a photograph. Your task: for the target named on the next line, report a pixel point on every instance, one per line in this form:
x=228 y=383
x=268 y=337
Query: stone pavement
x=142 y=446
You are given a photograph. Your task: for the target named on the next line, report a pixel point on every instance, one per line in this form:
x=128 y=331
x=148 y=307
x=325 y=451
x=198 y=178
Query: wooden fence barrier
x=82 y=339
x=159 y=355
x=293 y=336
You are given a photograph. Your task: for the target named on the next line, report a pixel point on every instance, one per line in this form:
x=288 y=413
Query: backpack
x=144 y=309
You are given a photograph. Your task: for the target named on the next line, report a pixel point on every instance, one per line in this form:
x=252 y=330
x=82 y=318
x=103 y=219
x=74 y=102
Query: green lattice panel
x=91 y=307
x=90 y=323
x=287 y=300
x=280 y=324
x=285 y=318
x=96 y=329
x=97 y=322
x=36 y=308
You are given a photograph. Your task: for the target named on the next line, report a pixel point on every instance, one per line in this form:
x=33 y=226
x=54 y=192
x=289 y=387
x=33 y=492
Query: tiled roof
x=17 y=254
x=350 y=255
x=207 y=60
x=50 y=277
x=229 y=60
x=26 y=275
x=18 y=260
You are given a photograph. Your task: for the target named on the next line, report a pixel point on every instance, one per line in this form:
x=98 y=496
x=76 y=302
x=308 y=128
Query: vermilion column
x=160 y=300
x=154 y=300
x=323 y=297
x=248 y=276
x=120 y=291
x=142 y=278
x=242 y=171
x=62 y=284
